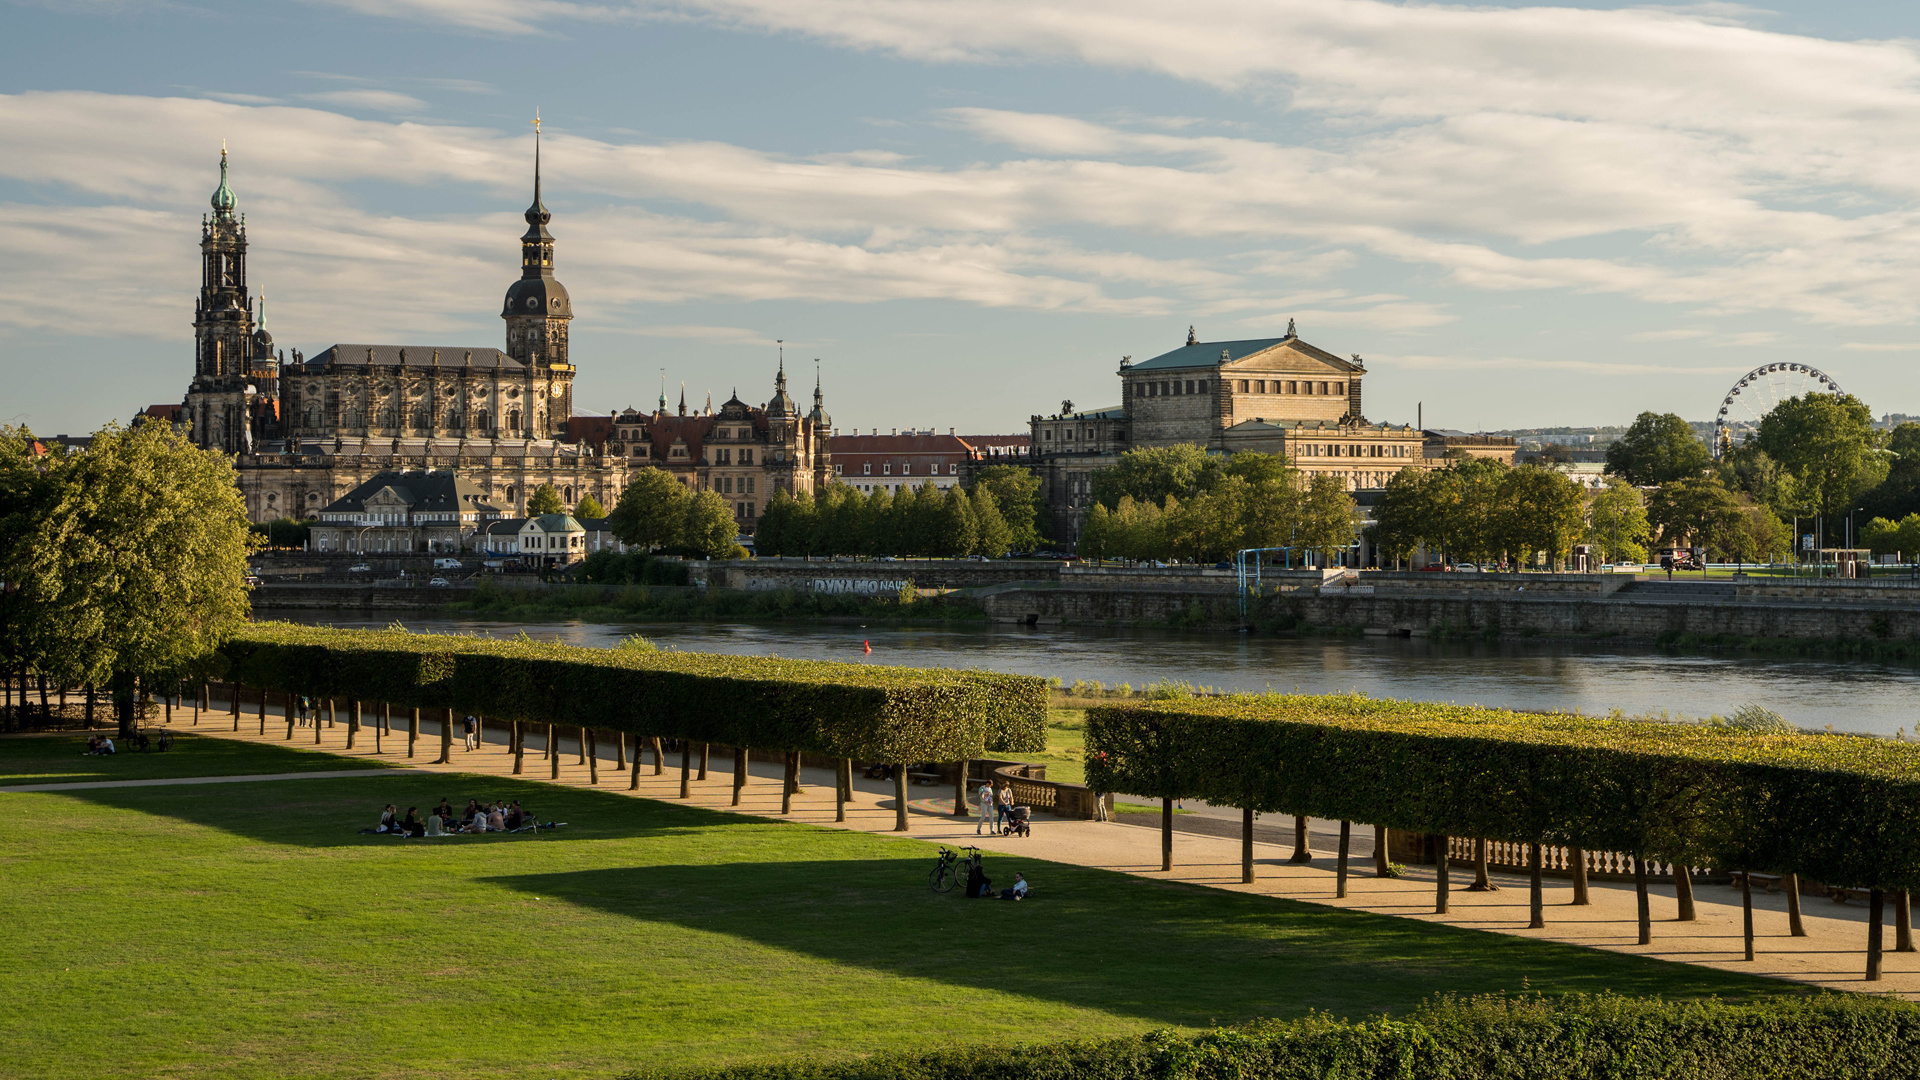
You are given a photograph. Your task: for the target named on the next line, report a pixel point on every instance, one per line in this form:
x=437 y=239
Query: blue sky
x=970 y=210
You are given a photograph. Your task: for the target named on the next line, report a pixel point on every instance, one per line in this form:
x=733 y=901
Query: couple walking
x=993 y=807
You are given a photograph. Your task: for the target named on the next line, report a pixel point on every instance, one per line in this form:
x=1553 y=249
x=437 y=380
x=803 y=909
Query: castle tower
x=223 y=329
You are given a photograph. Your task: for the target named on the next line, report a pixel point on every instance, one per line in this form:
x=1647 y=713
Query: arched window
x=566 y=493
x=313 y=418
x=513 y=420
x=480 y=420
x=509 y=492
x=453 y=418
x=386 y=418
x=422 y=419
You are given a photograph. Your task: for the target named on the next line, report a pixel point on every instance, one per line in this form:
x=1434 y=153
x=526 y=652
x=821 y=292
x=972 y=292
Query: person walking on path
x=1003 y=805
x=467 y=729
x=987 y=820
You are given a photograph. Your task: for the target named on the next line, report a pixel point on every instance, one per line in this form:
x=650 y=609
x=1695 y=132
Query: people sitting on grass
x=100 y=745
x=1019 y=890
x=496 y=819
x=164 y=743
x=389 y=820
x=413 y=826
x=445 y=809
x=436 y=824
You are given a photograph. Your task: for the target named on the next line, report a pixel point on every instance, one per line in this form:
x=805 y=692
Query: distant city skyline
x=1520 y=216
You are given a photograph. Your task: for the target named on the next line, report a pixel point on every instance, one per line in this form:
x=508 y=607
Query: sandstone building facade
x=306 y=432
x=1271 y=395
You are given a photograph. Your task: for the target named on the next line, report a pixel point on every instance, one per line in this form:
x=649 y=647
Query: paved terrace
x=1832 y=955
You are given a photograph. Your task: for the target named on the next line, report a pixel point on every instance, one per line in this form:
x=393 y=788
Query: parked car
x=1466 y=568
x=360 y=568
x=446 y=564
x=440 y=582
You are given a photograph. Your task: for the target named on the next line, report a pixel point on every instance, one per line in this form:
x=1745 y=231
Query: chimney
x=896 y=431
x=949 y=431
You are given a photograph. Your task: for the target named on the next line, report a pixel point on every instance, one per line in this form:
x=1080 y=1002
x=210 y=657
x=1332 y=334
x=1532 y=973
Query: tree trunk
x=316 y=720
x=1481 y=882
x=206 y=703
x=1300 y=852
x=553 y=753
x=659 y=757
x=1876 y=927
x=1646 y=907
x=686 y=769
x=1246 y=845
x=786 y=781
x=959 y=791
x=1440 y=882
x=1903 y=921
x=704 y=748
x=234 y=693
x=1166 y=835
x=843 y=786
x=1683 y=892
x=620 y=751
x=633 y=781
x=353 y=723
x=1340 y=870
x=446 y=737
x=1746 y=909
x=89 y=709
x=900 y=797
x=1538 y=921
x=290 y=717
x=1379 y=851
x=413 y=730
x=125 y=701
x=583 y=744
x=1796 y=927
x=593 y=755
x=263 y=710
x=379 y=722
x=1578 y=858
x=739 y=771
x=386 y=717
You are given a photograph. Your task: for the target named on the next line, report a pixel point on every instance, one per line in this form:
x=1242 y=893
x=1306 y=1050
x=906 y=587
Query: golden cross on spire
x=223 y=149
x=536 y=121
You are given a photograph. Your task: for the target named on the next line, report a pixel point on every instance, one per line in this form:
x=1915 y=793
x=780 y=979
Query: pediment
x=1292 y=356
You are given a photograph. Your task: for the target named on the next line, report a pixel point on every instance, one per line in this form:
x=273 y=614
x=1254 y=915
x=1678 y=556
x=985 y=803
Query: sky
x=968 y=211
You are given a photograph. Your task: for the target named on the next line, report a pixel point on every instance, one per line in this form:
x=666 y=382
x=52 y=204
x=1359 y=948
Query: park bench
x=1769 y=882
x=924 y=777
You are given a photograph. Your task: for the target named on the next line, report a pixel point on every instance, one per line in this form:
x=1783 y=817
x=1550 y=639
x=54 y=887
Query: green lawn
x=57 y=759
x=247 y=930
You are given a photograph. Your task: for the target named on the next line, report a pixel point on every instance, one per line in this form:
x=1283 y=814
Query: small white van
x=446 y=564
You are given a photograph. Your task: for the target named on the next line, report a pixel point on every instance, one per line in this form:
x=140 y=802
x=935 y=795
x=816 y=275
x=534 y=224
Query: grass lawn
x=246 y=930
x=61 y=758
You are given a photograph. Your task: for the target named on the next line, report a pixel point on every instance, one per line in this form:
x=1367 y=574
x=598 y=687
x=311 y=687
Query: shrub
x=1576 y=1037
x=1833 y=808
x=842 y=710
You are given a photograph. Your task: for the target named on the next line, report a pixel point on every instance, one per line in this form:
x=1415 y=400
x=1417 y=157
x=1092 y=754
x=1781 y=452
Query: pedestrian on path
x=467 y=728
x=986 y=812
x=1002 y=805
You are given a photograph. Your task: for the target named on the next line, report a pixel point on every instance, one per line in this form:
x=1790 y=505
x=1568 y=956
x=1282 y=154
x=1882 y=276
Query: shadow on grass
x=1169 y=953
x=330 y=812
x=60 y=759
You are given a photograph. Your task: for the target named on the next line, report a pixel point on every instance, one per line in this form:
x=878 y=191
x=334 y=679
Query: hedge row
x=843 y=710
x=1835 y=808
x=1575 y=1037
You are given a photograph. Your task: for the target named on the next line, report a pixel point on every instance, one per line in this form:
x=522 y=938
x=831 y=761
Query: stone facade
x=1267 y=395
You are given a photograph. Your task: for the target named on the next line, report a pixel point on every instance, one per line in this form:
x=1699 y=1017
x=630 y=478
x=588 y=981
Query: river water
x=1880 y=698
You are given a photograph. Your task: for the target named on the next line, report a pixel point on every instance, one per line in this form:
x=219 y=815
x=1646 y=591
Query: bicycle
x=952 y=868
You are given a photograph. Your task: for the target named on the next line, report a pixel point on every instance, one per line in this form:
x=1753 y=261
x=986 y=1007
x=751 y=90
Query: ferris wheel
x=1757 y=392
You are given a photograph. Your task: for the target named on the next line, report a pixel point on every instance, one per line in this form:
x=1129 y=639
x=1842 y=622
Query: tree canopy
x=1016 y=495
x=125 y=563
x=545 y=500
x=1827 y=443
x=650 y=512
x=589 y=508
x=1658 y=448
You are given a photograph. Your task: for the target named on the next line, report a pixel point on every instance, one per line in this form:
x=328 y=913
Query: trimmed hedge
x=1576 y=1037
x=1837 y=809
x=843 y=710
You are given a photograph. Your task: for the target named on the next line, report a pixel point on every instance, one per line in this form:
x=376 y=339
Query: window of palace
x=886 y=468
x=906 y=468
x=867 y=469
x=746 y=457
x=837 y=471
x=953 y=469
x=1068 y=435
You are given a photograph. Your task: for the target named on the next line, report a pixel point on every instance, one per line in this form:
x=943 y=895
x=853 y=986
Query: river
x=1863 y=696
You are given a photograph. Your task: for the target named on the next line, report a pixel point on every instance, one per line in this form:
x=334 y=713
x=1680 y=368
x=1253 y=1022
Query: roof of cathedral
x=421 y=491
x=223 y=200
x=413 y=356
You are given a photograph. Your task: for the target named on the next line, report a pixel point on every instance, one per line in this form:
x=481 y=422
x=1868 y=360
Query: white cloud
x=381 y=100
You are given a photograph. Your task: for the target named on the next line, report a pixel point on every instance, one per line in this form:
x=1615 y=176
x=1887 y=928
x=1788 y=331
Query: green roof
x=1206 y=354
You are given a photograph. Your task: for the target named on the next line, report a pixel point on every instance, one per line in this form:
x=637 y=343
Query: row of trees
x=657 y=511
x=1813 y=456
x=997 y=513
x=1479 y=509
x=124 y=565
x=1178 y=502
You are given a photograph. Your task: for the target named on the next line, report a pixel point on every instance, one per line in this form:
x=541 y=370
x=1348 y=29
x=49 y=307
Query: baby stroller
x=1017 y=821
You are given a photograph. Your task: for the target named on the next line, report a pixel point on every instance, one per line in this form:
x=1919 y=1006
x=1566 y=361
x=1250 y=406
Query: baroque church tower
x=220 y=399
x=537 y=307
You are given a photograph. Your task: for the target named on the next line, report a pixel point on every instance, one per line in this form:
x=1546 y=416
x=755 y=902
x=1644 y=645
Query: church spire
x=537 y=215
x=223 y=200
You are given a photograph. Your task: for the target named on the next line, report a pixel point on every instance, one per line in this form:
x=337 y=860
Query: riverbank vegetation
x=997 y=512
x=644 y=931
